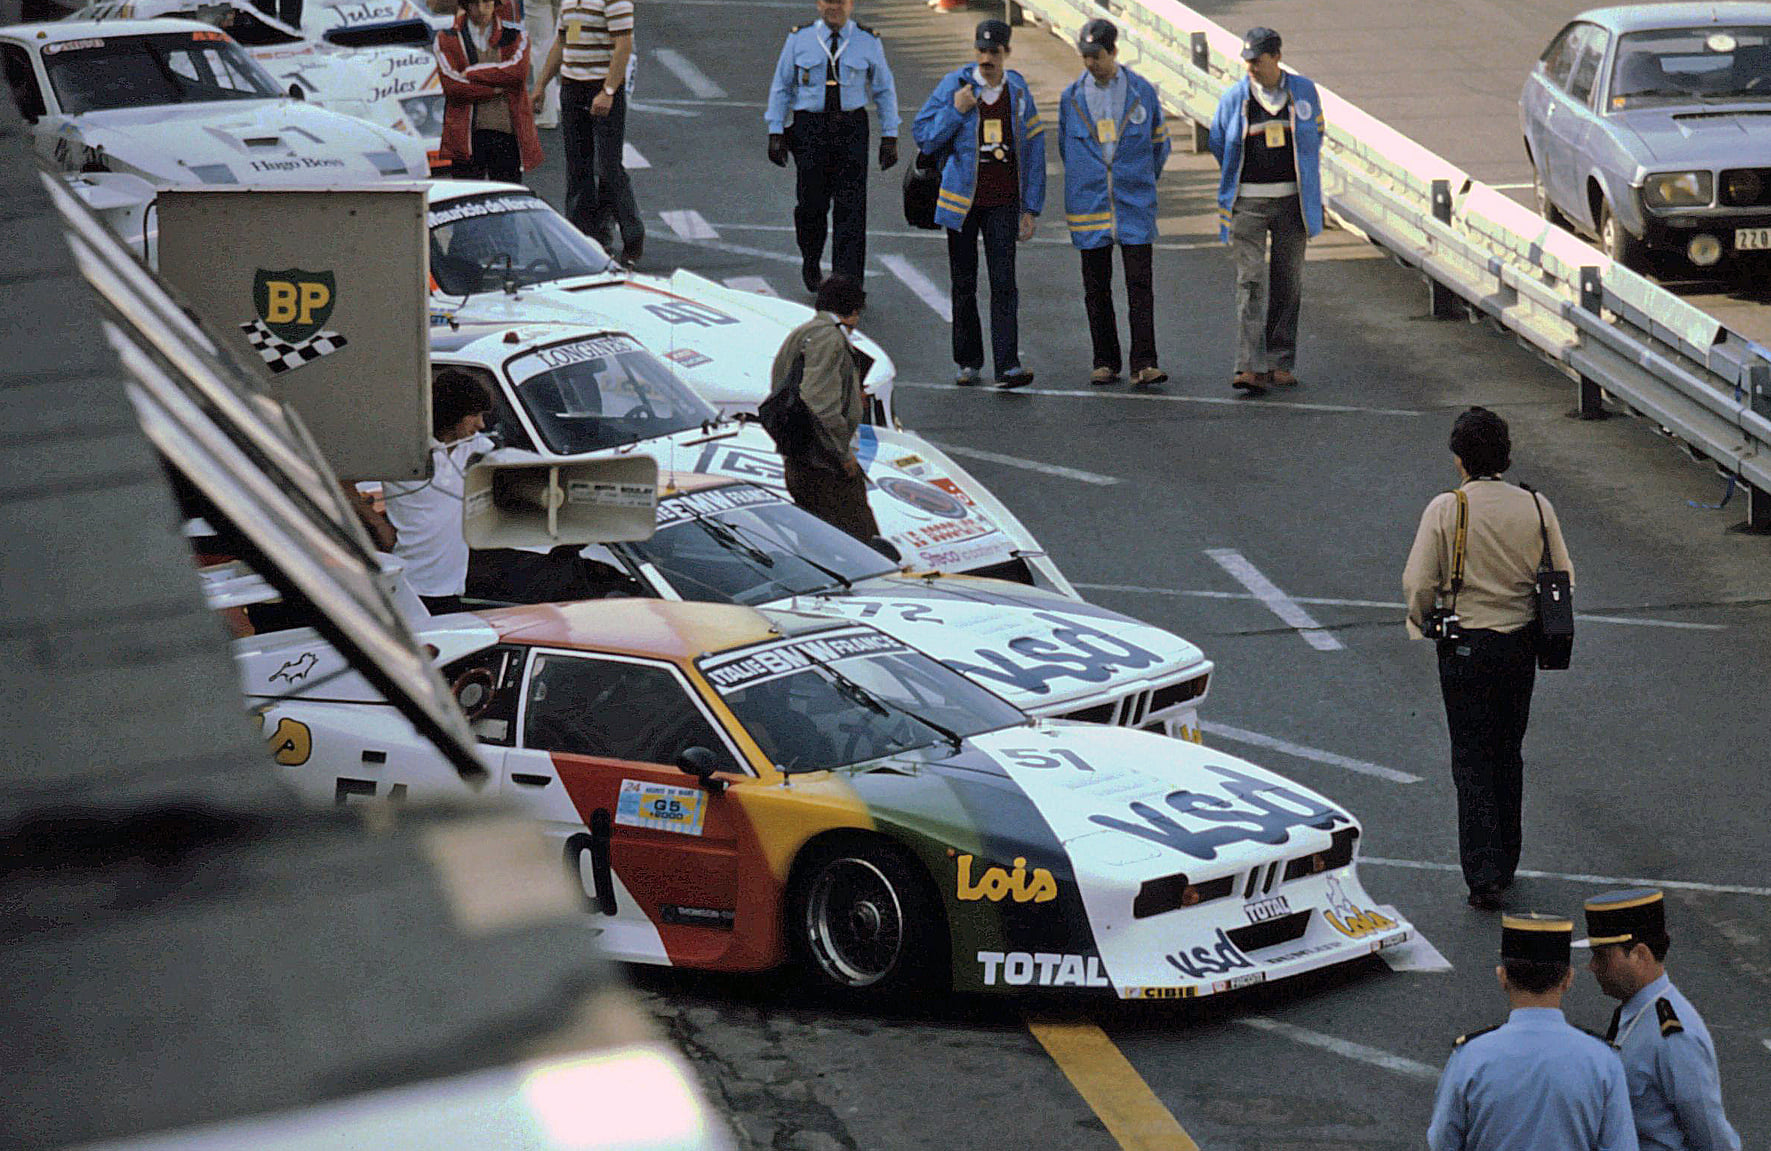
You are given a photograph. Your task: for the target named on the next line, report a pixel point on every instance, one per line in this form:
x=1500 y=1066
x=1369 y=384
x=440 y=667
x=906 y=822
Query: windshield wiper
x=842 y=580
x=873 y=703
x=727 y=538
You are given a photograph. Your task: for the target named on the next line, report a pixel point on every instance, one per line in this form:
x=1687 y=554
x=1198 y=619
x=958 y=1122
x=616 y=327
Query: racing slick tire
x=1616 y=239
x=864 y=920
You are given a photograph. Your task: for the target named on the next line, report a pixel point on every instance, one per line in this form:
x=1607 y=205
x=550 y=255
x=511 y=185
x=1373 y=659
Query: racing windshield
x=748 y=545
x=104 y=72
x=483 y=243
x=1709 y=63
x=848 y=696
x=604 y=392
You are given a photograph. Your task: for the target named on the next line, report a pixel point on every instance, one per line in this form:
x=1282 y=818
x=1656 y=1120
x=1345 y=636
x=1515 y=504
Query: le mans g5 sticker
x=661 y=807
x=292 y=306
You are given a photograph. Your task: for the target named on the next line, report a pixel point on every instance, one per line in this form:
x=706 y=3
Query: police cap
x=1098 y=36
x=992 y=34
x=1535 y=938
x=1259 y=42
x=1636 y=915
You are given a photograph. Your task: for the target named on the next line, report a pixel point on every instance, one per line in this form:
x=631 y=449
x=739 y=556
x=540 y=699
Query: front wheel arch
x=926 y=963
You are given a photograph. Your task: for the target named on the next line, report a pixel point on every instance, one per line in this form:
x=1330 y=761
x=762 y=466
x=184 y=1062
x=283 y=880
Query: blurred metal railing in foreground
x=1606 y=327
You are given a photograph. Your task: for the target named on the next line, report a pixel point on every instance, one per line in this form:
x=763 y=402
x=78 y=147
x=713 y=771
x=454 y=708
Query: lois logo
x=997 y=884
x=1350 y=919
x=294 y=304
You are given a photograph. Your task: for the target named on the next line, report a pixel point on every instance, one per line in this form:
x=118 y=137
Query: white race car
x=735 y=788
x=728 y=541
x=407 y=70
x=566 y=391
x=344 y=79
x=178 y=102
x=500 y=253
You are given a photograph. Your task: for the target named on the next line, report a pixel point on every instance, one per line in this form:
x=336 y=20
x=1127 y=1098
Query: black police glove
x=888 y=153
x=778 y=149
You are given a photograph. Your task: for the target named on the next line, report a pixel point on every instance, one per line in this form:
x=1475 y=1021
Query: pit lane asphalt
x=1644 y=761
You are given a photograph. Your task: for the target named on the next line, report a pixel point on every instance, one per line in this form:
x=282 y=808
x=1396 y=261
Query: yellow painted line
x=1111 y=1086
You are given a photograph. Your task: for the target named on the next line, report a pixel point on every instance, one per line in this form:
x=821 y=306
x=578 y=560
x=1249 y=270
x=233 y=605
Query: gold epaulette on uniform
x=802 y=27
x=867 y=30
x=1463 y=1039
x=1669 y=1019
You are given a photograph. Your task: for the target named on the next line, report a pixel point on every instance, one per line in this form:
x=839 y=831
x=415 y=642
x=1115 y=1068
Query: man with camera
x=1471 y=584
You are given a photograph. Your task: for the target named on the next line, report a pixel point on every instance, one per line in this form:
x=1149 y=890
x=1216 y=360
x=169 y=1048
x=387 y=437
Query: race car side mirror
x=886 y=548
x=702 y=764
x=295 y=92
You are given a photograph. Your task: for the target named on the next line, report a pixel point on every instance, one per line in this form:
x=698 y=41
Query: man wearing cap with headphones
x=1668 y=1057
x=992 y=184
x=1533 y=1083
x=1267 y=136
x=1114 y=143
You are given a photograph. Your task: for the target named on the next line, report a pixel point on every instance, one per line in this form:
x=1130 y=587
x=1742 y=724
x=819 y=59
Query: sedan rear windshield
x=148 y=71
x=1707 y=64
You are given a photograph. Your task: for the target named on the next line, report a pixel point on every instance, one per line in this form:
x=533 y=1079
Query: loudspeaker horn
x=541 y=504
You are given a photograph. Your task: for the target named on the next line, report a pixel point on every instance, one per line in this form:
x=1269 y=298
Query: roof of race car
x=661 y=629
x=457 y=339
x=64 y=30
x=455 y=189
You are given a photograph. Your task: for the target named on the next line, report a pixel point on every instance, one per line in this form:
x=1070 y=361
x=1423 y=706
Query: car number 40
x=1752 y=239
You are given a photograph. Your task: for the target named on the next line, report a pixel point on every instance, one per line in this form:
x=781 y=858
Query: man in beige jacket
x=829 y=482
x=1486 y=673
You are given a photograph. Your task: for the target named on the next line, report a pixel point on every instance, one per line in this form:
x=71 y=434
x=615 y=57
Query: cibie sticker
x=661 y=807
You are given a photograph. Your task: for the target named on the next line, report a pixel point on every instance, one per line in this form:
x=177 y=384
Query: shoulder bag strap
x=1459 y=538
x=1543 y=561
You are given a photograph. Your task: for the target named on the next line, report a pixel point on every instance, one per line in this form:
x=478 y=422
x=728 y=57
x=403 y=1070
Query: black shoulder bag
x=787 y=419
x=922 y=184
x=1555 y=604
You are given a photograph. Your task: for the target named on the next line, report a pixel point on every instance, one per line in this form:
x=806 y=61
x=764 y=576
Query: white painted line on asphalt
x=1510 y=187
x=1329 y=601
x=751 y=284
x=1344 y=1048
x=743 y=250
x=1029 y=465
x=1600 y=880
x=1287 y=609
x=631 y=158
x=650 y=106
x=1767 y=1043
x=926 y=289
x=689 y=224
x=1273 y=743
x=1165 y=398
x=1418 y=954
x=693 y=78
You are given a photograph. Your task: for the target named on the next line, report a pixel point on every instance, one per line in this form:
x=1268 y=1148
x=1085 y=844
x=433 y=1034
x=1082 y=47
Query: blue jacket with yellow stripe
x=1230 y=127
x=1102 y=203
x=939 y=125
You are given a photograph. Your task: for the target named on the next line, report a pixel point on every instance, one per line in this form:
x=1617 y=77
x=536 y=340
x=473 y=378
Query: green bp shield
x=293 y=303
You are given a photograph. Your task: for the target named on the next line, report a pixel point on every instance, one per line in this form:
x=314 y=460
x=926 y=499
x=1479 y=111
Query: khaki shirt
x=1503 y=544
x=831 y=385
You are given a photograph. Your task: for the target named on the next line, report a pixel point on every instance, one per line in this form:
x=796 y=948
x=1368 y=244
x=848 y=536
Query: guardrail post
x=1444 y=301
x=1758 y=512
x=1202 y=61
x=1590 y=401
x=1758 y=389
x=1012 y=14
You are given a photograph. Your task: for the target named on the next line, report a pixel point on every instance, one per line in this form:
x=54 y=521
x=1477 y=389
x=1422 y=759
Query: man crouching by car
x=823 y=475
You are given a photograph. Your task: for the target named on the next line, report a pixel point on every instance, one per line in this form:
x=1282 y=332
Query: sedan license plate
x=1752 y=239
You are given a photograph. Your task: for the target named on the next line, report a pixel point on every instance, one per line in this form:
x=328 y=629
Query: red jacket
x=467 y=80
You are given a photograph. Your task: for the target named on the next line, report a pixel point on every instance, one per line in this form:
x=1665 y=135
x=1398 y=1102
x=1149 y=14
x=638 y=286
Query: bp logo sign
x=290 y=309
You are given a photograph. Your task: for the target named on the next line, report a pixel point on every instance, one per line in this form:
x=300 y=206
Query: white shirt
x=427 y=517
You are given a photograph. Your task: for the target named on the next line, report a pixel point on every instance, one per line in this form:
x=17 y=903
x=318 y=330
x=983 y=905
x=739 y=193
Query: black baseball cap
x=992 y=34
x=1258 y=42
x=1098 y=36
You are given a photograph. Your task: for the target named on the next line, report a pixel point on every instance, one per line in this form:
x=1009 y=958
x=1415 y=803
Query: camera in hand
x=1441 y=623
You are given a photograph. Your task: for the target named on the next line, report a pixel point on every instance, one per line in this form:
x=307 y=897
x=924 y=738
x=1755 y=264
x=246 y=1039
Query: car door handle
x=530 y=780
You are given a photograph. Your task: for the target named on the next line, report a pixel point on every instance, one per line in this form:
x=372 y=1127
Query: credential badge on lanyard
x=842 y=46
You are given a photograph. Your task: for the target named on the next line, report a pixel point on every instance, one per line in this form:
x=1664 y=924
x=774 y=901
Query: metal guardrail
x=1607 y=328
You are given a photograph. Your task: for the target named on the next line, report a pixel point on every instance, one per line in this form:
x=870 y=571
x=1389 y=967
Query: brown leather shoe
x=1149 y=377
x=1283 y=378
x=1102 y=375
x=1249 y=382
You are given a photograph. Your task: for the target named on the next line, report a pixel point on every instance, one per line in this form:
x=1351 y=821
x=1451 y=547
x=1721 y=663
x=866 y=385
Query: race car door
x=655 y=853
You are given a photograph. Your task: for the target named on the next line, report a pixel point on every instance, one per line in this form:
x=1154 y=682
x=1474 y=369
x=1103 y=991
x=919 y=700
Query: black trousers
x=495 y=157
x=599 y=196
x=998 y=226
x=1486 y=678
x=1097 y=298
x=831 y=495
x=830 y=164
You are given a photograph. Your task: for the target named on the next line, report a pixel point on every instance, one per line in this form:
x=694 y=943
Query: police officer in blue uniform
x=828 y=71
x=1533 y=1083
x=1668 y=1057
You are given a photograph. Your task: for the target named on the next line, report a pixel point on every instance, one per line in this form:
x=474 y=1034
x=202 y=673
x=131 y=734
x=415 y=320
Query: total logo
x=997 y=884
x=1207 y=960
x=1020 y=968
x=1350 y=919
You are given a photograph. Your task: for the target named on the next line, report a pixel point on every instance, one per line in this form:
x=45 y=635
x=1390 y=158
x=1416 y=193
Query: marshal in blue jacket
x=940 y=126
x=1229 y=128
x=1102 y=204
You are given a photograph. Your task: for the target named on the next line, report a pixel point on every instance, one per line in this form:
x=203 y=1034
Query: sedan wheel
x=1545 y=207
x=1616 y=239
x=863 y=921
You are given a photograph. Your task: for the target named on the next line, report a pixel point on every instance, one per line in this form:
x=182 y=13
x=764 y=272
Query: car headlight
x=1679 y=189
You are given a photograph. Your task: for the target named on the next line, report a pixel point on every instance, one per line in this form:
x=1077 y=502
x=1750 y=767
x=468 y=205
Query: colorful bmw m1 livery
x=568 y=391
x=725 y=541
x=734 y=789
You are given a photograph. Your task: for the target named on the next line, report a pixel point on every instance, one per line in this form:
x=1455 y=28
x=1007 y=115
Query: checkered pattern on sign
x=280 y=355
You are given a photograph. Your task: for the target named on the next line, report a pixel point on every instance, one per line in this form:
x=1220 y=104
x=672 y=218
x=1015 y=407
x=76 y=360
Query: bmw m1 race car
x=566 y=391
x=733 y=788
x=725 y=541
x=500 y=253
x=178 y=102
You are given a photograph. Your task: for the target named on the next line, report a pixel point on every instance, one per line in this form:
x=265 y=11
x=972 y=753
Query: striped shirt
x=588 y=28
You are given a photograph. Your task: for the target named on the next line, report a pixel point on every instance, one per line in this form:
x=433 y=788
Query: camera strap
x=1458 y=540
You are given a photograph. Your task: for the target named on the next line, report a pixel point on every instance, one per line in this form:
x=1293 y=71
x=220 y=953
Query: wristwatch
x=610 y=92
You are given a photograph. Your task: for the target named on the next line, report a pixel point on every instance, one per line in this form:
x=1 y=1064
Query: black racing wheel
x=864 y=920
